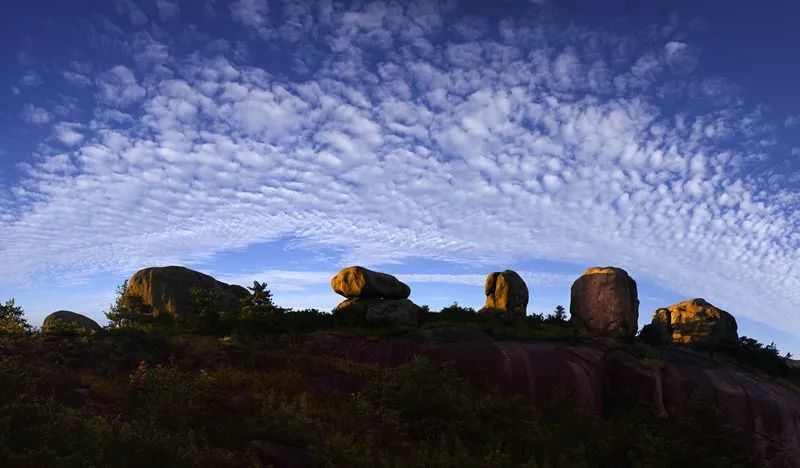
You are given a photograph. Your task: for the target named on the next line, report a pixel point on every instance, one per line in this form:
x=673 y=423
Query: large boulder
x=506 y=291
x=66 y=321
x=357 y=281
x=604 y=301
x=376 y=311
x=697 y=322
x=168 y=291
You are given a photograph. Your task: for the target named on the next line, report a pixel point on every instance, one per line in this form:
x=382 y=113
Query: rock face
x=604 y=301
x=168 y=290
x=375 y=311
x=760 y=406
x=698 y=322
x=356 y=281
x=65 y=320
x=506 y=290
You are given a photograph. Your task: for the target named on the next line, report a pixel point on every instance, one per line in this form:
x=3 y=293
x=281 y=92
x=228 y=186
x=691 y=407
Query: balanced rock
x=357 y=281
x=604 y=301
x=168 y=290
x=506 y=290
x=377 y=311
x=67 y=321
x=697 y=322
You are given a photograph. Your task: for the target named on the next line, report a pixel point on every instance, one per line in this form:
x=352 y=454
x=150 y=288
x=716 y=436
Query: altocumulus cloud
x=395 y=133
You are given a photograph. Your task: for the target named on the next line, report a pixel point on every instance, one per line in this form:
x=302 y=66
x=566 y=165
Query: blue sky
x=438 y=141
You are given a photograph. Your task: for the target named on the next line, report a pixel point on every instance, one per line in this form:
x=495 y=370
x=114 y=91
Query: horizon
x=438 y=142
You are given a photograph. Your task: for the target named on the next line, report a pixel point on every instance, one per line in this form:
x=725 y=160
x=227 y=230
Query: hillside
x=258 y=385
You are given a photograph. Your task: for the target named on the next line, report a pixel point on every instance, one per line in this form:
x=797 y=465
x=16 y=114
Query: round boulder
x=66 y=321
x=168 y=290
x=697 y=322
x=604 y=301
x=506 y=291
x=357 y=281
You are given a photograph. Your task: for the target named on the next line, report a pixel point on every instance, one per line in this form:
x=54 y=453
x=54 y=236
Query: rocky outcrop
x=506 y=291
x=375 y=311
x=697 y=322
x=168 y=291
x=760 y=406
x=356 y=281
x=604 y=301
x=373 y=298
x=66 y=321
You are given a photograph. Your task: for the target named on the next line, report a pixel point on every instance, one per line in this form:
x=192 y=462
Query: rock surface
x=357 y=281
x=280 y=455
x=65 y=320
x=604 y=301
x=168 y=290
x=506 y=290
x=760 y=406
x=374 y=311
x=697 y=322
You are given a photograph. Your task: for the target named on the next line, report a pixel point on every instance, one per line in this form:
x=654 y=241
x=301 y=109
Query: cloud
x=118 y=86
x=250 y=13
x=31 y=78
x=67 y=133
x=168 y=10
x=562 y=145
x=792 y=120
x=36 y=115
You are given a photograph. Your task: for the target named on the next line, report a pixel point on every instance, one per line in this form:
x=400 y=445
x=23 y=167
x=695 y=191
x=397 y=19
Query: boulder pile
x=374 y=298
x=168 y=291
x=506 y=291
x=604 y=302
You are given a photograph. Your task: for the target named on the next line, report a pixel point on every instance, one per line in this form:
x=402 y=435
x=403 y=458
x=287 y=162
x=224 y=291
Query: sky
x=280 y=141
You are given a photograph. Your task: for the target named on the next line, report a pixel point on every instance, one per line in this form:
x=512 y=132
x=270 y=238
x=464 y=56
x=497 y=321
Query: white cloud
x=118 y=86
x=67 y=133
x=36 y=115
x=420 y=155
x=792 y=120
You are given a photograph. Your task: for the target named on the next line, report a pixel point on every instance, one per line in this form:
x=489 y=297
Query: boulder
x=374 y=311
x=604 y=301
x=697 y=322
x=168 y=290
x=357 y=281
x=506 y=291
x=67 y=321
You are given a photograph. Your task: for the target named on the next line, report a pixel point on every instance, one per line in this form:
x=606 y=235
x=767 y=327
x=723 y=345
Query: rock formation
x=356 y=281
x=604 y=302
x=506 y=291
x=697 y=322
x=67 y=321
x=168 y=290
x=374 y=298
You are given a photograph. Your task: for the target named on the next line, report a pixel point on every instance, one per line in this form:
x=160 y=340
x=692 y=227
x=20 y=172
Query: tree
x=560 y=313
x=12 y=320
x=258 y=310
x=128 y=308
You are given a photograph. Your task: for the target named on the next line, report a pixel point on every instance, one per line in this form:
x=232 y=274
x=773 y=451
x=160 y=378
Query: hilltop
x=194 y=372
